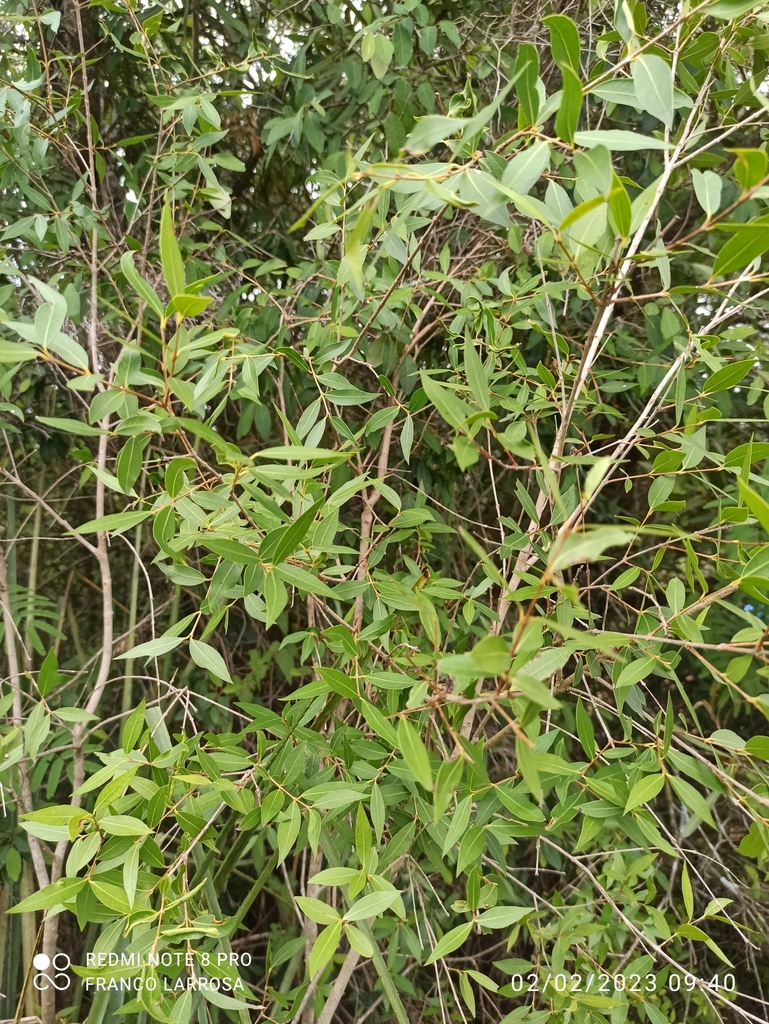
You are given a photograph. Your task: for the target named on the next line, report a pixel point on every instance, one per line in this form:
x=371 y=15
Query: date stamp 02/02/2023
x=596 y=983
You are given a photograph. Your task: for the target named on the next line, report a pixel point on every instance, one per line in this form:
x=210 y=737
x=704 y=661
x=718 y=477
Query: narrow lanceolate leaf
x=117 y=523
x=476 y=376
x=687 y=892
x=288 y=830
x=527 y=72
x=728 y=376
x=208 y=657
x=503 y=917
x=371 y=906
x=12 y=352
x=52 y=895
x=451 y=940
x=131 y=873
x=692 y=798
x=585 y=730
x=415 y=753
x=527 y=765
x=748 y=243
x=170 y=254
x=316 y=910
x=123 y=825
x=325 y=946
x=757 y=505
x=143 y=288
x=564 y=41
x=153 y=648
x=643 y=791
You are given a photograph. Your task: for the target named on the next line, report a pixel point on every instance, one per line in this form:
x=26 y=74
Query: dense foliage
x=384 y=478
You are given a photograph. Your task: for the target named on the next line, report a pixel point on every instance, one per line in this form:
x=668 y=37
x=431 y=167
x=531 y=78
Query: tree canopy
x=386 y=529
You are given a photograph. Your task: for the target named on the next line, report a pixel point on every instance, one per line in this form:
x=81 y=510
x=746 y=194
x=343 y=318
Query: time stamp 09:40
x=563 y=983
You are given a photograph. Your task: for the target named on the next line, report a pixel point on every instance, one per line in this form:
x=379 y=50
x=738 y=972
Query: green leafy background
x=386 y=539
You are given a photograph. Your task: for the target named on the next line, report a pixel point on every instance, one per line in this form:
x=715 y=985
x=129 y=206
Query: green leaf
x=655 y=1015
x=316 y=910
x=690 y=931
x=471 y=848
x=707 y=188
x=359 y=942
x=134 y=726
x=527 y=766
x=124 y=825
x=232 y=550
x=741 y=249
x=567 y=118
x=635 y=671
x=131 y=873
x=476 y=375
x=337 y=798
x=692 y=798
x=381 y=726
x=431 y=131
x=355 y=244
x=585 y=731
x=564 y=41
x=209 y=658
x=324 y=947
x=115 y=524
x=644 y=791
x=620 y=210
x=503 y=917
x=458 y=824
x=403 y=47
x=334 y=876
x=371 y=906
x=52 y=895
x=48 y=675
x=382 y=55
x=758 y=746
x=451 y=940
x=727 y=376
x=170 y=254
x=586 y=547
x=415 y=753
x=492 y=656
x=653 y=80
x=281 y=543
x=288 y=830
x=527 y=72
x=112 y=896
x=526 y=168
x=446 y=782
x=302 y=578
x=452 y=408
x=153 y=648
x=70 y=426
x=302 y=453
x=618 y=141
x=687 y=892
x=728 y=9
x=188 y=305
x=140 y=286
x=16 y=352
x=758 y=507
